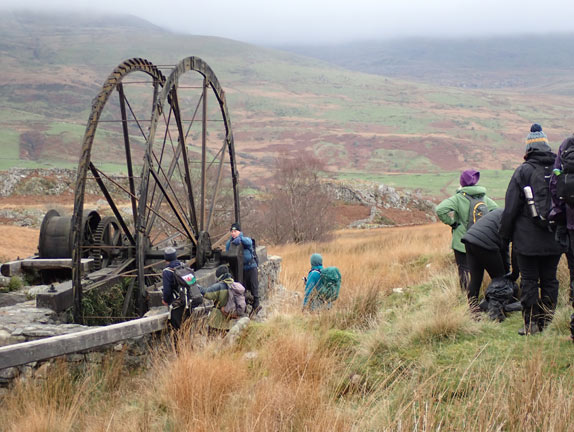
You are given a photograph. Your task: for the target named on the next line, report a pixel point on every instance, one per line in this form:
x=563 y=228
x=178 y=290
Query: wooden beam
x=42 y=349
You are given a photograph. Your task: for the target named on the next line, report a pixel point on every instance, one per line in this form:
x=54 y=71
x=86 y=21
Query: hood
x=473 y=190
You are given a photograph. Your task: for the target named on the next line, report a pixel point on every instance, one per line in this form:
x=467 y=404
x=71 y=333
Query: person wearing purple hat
x=525 y=222
x=455 y=211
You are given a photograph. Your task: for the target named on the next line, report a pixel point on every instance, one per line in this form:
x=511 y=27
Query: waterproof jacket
x=454 y=211
x=484 y=233
x=218 y=293
x=559 y=205
x=169 y=284
x=312 y=280
x=528 y=237
x=247 y=244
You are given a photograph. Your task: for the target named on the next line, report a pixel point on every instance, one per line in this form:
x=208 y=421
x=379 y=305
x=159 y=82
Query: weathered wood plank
x=13 y=268
x=18 y=354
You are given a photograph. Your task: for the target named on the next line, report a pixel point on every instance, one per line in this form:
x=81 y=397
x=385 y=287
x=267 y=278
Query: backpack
x=540 y=184
x=188 y=289
x=329 y=284
x=236 y=305
x=476 y=210
x=565 y=180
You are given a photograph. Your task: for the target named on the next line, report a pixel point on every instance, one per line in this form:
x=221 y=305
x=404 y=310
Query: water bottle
x=530 y=201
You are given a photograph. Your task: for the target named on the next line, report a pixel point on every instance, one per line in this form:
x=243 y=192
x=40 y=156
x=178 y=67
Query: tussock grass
x=382 y=359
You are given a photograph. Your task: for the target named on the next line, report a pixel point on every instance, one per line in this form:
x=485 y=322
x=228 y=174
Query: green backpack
x=329 y=283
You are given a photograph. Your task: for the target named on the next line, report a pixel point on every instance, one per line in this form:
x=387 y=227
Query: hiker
x=456 y=212
x=563 y=207
x=225 y=310
x=180 y=290
x=169 y=284
x=525 y=222
x=250 y=274
x=322 y=285
x=485 y=250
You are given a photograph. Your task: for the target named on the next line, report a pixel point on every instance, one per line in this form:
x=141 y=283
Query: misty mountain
x=496 y=62
x=285 y=103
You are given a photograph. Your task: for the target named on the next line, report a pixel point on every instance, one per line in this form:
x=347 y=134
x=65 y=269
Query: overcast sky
x=319 y=21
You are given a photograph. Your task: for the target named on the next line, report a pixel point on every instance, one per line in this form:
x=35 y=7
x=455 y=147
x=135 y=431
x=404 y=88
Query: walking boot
x=529 y=329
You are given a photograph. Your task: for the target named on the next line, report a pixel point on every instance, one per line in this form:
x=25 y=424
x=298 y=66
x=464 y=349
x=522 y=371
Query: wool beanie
x=316 y=260
x=469 y=177
x=536 y=140
x=221 y=272
x=170 y=254
x=235 y=226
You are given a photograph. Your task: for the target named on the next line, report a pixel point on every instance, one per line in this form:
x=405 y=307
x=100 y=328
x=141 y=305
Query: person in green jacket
x=454 y=211
x=217 y=320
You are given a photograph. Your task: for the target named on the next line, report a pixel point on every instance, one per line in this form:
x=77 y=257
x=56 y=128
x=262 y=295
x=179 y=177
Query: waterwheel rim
x=189 y=191
x=114 y=139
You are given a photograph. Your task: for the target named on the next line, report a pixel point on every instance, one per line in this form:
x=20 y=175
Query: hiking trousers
x=463 y=270
x=539 y=287
x=251 y=278
x=480 y=259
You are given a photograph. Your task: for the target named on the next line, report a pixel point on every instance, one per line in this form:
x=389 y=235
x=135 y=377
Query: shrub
x=15 y=283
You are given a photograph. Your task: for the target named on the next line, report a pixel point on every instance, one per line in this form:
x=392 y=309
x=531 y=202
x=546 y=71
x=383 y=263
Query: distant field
x=440 y=185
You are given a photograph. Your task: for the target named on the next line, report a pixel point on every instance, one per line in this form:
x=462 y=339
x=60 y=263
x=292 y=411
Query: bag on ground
x=499 y=294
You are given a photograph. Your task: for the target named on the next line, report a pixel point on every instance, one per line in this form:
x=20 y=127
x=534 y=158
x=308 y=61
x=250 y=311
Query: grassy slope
x=382 y=359
x=280 y=103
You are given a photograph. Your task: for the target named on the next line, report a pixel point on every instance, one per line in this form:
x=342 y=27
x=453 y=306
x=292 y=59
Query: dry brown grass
x=383 y=258
x=378 y=361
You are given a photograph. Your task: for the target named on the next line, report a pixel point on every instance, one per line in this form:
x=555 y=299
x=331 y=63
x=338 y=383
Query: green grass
x=10 y=145
x=436 y=184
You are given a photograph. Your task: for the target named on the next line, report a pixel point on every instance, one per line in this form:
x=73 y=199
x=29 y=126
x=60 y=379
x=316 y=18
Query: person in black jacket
x=537 y=251
x=485 y=250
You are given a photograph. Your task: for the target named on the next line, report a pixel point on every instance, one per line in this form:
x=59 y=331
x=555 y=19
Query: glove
x=236 y=241
x=454 y=225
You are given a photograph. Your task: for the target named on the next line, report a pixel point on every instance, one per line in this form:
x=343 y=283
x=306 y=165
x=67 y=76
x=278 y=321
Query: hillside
x=363 y=125
x=542 y=61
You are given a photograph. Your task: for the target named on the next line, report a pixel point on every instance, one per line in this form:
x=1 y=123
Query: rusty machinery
x=158 y=159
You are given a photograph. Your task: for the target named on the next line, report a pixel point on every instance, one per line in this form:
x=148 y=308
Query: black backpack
x=540 y=184
x=477 y=209
x=188 y=294
x=565 y=180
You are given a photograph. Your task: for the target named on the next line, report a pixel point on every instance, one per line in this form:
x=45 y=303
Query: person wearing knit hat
x=455 y=212
x=537 y=251
x=169 y=284
x=536 y=140
x=250 y=264
x=469 y=177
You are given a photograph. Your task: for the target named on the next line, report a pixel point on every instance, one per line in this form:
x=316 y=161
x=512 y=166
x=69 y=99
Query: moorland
x=411 y=127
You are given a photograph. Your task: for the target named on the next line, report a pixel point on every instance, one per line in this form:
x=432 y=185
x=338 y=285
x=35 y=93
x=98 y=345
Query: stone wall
x=23 y=322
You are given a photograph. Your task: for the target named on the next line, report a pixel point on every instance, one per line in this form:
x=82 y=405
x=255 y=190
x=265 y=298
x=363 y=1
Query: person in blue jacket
x=250 y=273
x=309 y=300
